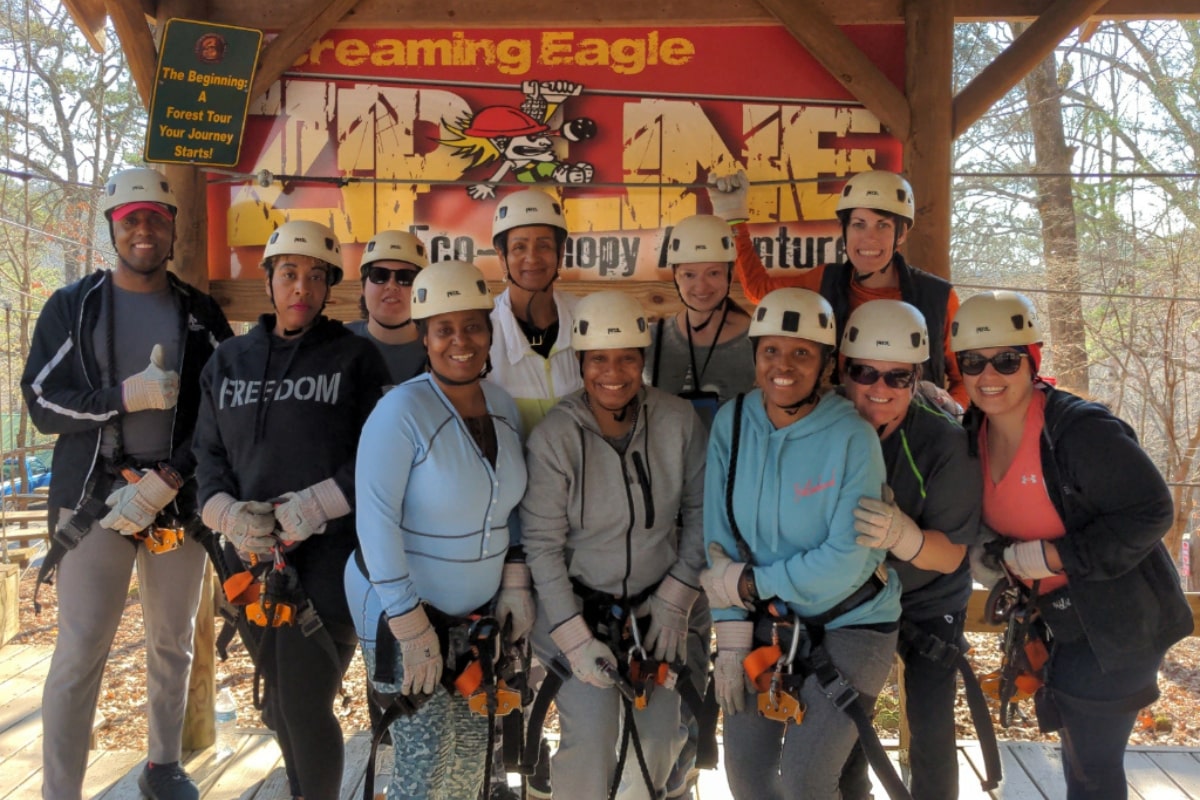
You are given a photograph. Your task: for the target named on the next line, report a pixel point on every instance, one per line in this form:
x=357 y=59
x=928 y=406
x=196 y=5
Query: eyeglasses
x=1006 y=363
x=895 y=378
x=380 y=276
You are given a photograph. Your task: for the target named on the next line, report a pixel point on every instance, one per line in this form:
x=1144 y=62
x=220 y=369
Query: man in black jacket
x=114 y=370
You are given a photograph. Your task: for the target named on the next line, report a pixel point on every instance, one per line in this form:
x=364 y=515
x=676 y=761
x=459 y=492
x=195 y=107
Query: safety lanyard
x=687 y=324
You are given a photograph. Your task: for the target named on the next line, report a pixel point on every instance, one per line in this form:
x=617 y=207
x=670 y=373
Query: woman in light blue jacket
x=442 y=472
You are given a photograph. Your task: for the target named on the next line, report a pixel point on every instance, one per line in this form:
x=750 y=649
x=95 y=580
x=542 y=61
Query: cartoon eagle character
x=522 y=138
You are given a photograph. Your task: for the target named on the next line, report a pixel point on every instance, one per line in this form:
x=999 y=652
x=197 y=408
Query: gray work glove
x=986 y=563
x=135 y=505
x=670 y=606
x=249 y=525
x=734 y=641
x=154 y=387
x=515 y=600
x=420 y=651
x=1028 y=560
x=586 y=654
x=304 y=513
x=720 y=581
x=883 y=526
x=730 y=196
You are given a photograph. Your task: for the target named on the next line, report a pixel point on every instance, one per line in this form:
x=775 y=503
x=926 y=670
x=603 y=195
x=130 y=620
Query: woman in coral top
x=1080 y=511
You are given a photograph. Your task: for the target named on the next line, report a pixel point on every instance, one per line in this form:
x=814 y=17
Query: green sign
x=201 y=92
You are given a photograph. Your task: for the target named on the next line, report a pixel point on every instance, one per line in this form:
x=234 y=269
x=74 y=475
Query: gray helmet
x=449 y=286
x=797 y=314
x=701 y=238
x=138 y=185
x=394 y=246
x=995 y=319
x=305 y=238
x=878 y=190
x=609 y=320
x=886 y=330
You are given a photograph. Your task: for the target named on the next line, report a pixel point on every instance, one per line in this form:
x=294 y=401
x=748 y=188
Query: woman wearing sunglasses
x=1080 y=511
x=391 y=262
x=925 y=525
x=786 y=467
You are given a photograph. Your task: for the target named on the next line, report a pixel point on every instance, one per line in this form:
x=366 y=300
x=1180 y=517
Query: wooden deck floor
x=255 y=771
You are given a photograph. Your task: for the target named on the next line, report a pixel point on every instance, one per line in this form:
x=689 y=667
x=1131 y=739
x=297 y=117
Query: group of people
x=609 y=489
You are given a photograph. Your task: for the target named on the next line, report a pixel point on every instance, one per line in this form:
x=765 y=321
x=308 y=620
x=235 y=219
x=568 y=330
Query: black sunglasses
x=895 y=378
x=1006 y=363
x=380 y=276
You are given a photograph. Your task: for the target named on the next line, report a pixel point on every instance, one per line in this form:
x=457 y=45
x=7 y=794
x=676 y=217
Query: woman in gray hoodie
x=611 y=469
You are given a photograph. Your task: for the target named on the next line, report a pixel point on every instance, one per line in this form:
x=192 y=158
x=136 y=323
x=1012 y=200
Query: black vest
x=928 y=293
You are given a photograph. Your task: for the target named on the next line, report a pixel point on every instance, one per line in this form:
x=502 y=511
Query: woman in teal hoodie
x=786 y=468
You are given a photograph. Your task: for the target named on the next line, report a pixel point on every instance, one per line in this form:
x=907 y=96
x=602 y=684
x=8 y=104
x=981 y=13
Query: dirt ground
x=121 y=717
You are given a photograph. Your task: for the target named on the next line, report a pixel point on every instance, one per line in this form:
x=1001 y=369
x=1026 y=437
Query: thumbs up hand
x=154 y=387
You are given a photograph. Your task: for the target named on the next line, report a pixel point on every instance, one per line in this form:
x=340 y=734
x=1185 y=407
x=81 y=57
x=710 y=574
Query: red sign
x=421 y=129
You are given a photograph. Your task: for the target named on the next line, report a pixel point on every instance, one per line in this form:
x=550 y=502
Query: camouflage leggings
x=440 y=750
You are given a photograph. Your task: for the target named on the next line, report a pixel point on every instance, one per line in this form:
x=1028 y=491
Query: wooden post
x=199 y=722
x=191 y=264
x=191 y=224
x=929 y=26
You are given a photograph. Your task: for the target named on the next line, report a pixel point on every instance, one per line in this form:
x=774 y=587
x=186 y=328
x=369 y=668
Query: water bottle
x=226 y=718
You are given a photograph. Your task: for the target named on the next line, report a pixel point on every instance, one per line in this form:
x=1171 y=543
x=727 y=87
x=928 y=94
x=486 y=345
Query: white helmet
x=878 y=190
x=609 y=320
x=700 y=238
x=527 y=207
x=995 y=319
x=796 y=313
x=886 y=330
x=449 y=286
x=305 y=238
x=139 y=185
x=394 y=246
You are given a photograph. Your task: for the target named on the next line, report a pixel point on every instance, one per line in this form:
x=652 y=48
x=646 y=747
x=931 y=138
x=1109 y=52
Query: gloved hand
x=734 y=640
x=515 y=600
x=882 y=525
x=154 y=387
x=575 y=639
x=730 y=196
x=670 y=606
x=419 y=651
x=247 y=524
x=1028 y=560
x=986 y=558
x=940 y=398
x=720 y=581
x=135 y=505
x=304 y=513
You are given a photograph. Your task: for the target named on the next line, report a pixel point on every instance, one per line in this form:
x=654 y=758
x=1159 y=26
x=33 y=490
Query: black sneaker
x=502 y=791
x=167 y=782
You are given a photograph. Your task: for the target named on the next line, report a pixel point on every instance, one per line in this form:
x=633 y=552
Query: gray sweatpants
x=590 y=721
x=765 y=762
x=93 y=583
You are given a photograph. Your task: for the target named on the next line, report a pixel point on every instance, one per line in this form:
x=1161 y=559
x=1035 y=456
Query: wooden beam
x=1011 y=66
x=842 y=58
x=929 y=34
x=307 y=25
x=134 y=34
x=90 y=16
x=541 y=14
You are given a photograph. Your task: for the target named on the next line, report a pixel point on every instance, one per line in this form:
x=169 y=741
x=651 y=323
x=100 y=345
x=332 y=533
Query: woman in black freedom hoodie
x=281 y=411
